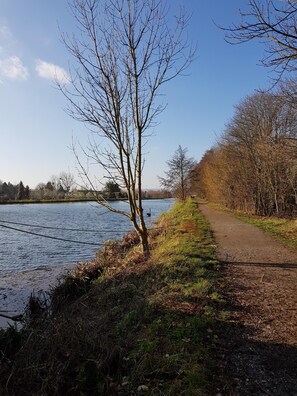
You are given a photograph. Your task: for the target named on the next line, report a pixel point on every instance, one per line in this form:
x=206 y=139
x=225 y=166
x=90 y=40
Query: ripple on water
x=19 y=251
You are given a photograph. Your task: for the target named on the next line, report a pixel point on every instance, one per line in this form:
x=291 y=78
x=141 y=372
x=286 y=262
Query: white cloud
x=52 y=72
x=5 y=32
x=13 y=69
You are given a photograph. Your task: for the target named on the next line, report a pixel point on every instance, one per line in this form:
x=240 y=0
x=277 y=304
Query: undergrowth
x=124 y=326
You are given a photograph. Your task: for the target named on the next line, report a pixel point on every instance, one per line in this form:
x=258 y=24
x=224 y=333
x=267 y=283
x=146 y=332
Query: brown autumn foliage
x=254 y=166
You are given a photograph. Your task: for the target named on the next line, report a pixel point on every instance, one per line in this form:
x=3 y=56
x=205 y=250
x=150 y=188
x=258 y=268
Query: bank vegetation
x=125 y=325
x=253 y=167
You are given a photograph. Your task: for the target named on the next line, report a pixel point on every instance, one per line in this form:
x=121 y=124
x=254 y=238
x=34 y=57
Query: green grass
x=137 y=327
x=284 y=230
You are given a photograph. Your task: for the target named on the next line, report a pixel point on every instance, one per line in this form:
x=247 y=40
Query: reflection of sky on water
x=19 y=251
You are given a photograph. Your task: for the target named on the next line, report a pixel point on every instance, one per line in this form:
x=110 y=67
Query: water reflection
x=89 y=223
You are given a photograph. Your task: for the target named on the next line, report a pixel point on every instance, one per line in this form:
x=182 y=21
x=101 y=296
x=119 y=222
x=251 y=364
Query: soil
x=258 y=349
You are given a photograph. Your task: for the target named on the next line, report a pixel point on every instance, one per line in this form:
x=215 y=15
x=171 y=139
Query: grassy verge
x=124 y=326
x=282 y=229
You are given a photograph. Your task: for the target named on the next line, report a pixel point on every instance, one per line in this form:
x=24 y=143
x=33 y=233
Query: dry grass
x=283 y=229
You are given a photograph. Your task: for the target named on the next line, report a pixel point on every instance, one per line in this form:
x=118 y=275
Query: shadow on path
x=258 y=349
x=263 y=265
x=255 y=368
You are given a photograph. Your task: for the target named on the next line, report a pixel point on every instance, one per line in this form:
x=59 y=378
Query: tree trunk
x=276 y=204
x=144 y=243
x=143 y=234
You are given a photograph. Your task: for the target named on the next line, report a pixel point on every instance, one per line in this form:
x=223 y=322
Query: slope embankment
x=125 y=325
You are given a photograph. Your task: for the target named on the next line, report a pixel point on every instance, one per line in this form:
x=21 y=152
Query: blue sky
x=36 y=132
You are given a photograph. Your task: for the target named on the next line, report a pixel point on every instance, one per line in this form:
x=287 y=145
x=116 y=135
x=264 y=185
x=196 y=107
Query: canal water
x=31 y=263
x=75 y=230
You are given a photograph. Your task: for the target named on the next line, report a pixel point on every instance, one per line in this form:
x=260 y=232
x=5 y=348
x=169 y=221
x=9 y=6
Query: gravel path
x=259 y=350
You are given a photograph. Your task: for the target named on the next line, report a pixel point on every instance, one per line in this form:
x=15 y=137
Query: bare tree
x=275 y=24
x=254 y=166
x=66 y=180
x=124 y=53
x=178 y=177
x=55 y=180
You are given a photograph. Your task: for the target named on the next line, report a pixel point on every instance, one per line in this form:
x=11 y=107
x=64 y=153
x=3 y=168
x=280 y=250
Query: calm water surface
x=20 y=251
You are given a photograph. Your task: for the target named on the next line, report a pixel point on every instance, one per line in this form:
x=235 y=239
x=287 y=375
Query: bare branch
x=275 y=26
x=124 y=52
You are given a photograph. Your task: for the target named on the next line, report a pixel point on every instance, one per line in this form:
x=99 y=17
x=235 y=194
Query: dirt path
x=259 y=352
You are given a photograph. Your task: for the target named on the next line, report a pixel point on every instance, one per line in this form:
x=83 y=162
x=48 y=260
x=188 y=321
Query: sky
x=36 y=132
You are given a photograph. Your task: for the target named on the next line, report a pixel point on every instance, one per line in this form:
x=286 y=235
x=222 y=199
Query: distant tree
x=49 y=186
x=40 y=186
x=178 y=177
x=111 y=190
x=55 y=180
x=157 y=194
x=27 y=192
x=20 y=191
x=38 y=192
x=67 y=181
x=12 y=189
x=5 y=191
x=61 y=192
x=8 y=191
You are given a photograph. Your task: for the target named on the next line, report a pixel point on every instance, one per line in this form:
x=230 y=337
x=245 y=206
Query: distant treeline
x=11 y=192
x=59 y=189
x=18 y=192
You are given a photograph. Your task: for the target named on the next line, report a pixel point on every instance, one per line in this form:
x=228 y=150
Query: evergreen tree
x=12 y=191
x=111 y=190
x=27 y=192
x=21 y=193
